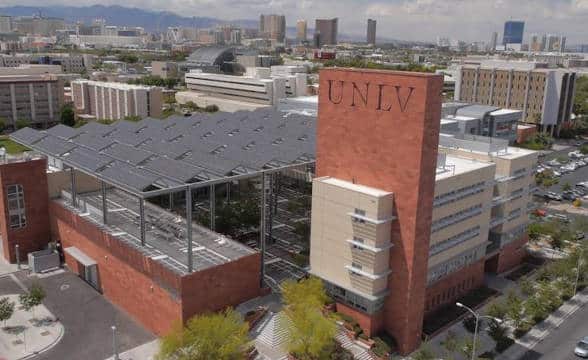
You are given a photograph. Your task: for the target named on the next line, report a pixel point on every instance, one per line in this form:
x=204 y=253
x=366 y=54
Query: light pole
x=478 y=317
x=114 y=347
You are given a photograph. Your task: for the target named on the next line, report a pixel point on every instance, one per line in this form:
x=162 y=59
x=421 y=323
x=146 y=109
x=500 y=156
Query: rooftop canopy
x=212 y=55
x=152 y=156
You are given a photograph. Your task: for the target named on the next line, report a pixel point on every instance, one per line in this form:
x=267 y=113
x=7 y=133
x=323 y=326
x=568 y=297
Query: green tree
x=221 y=336
x=2 y=124
x=33 y=298
x=6 y=309
x=68 y=116
x=497 y=310
x=310 y=331
x=567 y=186
x=22 y=123
x=423 y=353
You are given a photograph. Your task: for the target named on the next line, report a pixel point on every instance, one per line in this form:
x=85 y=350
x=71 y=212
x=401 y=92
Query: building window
x=356 y=265
x=16 y=206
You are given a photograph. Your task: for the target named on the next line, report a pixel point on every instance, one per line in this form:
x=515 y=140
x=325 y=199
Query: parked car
x=582 y=348
x=583 y=184
x=576 y=155
x=553 y=162
x=568 y=195
x=561 y=217
x=581 y=163
x=552 y=196
x=579 y=235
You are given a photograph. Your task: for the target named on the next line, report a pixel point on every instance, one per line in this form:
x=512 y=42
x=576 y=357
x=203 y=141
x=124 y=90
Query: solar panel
x=126 y=153
x=86 y=159
x=27 y=136
x=54 y=146
x=63 y=132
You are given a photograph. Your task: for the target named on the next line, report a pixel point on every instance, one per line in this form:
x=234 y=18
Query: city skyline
x=397 y=19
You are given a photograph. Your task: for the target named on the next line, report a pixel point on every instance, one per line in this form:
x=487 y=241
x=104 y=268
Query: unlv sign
x=381 y=97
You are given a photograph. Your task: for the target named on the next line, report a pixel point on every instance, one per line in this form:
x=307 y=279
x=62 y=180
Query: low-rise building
x=36 y=99
x=115 y=101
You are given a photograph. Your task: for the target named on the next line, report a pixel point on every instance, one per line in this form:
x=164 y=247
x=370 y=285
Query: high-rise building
x=371 y=32
x=546 y=96
x=493 y=41
x=427 y=235
x=562 y=44
x=273 y=27
x=5 y=24
x=513 y=32
x=301 y=28
x=236 y=37
x=535 y=43
x=326 y=29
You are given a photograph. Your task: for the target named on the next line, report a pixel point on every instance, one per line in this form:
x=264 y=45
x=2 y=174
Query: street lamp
x=478 y=317
x=114 y=347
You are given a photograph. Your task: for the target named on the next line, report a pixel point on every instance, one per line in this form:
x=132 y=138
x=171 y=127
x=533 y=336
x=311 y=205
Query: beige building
x=546 y=96
x=165 y=69
x=301 y=30
x=35 y=98
x=115 y=101
x=482 y=193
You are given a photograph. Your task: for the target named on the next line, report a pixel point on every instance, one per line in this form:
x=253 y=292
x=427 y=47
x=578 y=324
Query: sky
x=470 y=20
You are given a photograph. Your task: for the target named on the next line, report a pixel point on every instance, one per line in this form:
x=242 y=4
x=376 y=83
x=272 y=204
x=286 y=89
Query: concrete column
x=509 y=88
x=104 y=204
x=476 y=80
x=492 y=84
x=212 y=199
x=189 y=228
x=73 y=187
x=142 y=220
x=527 y=90
x=262 y=227
x=50 y=99
x=32 y=100
x=13 y=101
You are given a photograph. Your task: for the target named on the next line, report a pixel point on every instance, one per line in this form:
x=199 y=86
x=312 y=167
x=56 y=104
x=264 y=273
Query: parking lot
x=567 y=169
x=86 y=316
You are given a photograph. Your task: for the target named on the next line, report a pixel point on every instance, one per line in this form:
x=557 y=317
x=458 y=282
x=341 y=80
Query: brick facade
x=370 y=324
x=381 y=129
x=153 y=295
x=457 y=284
x=512 y=254
x=35 y=235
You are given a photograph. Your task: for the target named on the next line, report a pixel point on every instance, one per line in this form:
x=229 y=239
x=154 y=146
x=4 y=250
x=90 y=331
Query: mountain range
x=152 y=21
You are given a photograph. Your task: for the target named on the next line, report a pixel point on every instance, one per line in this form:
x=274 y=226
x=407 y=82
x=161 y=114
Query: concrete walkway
x=25 y=335
x=146 y=351
x=543 y=329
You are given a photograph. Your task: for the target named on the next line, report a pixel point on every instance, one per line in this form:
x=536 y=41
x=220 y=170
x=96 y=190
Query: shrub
x=470 y=324
x=211 y=108
x=21 y=123
x=503 y=344
x=381 y=348
x=522 y=329
x=2 y=125
x=497 y=310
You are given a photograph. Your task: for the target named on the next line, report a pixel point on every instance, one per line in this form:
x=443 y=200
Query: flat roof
x=355 y=187
x=152 y=154
x=505 y=112
x=455 y=165
x=165 y=235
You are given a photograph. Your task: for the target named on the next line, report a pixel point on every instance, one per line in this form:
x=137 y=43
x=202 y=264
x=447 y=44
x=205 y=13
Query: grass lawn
x=12 y=147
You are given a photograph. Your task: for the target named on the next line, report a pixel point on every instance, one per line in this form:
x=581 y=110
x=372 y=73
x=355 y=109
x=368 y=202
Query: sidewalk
x=146 y=351
x=25 y=336
x=543 y=329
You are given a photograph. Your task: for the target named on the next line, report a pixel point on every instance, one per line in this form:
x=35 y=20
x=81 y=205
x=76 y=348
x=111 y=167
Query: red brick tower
x=24 y=208
x=381 y=129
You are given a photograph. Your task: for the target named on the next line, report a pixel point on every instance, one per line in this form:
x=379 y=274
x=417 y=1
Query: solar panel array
x=157 y=154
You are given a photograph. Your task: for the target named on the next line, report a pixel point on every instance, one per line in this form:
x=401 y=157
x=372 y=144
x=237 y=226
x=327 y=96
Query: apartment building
x=69 y=63
x=259 y=85
x=546 y=96
x=395 y=237
x=35 y=98
x=115 y=101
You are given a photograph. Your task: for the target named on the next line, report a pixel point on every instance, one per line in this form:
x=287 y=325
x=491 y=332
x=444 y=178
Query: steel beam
x=212 y=193
x=74 y=195
x=262 y=227
x=142 y=220
x=104 y=204
x=189 y=227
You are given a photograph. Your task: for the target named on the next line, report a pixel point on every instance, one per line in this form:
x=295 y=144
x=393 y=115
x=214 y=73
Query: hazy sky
x=401 y=19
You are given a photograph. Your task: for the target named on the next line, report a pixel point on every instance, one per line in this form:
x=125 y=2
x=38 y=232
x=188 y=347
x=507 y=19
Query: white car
x=581 y=163
x=576 y=155
x=553 y=163
x=582 y=348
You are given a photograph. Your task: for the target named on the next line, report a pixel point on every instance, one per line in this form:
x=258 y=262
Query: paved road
x=560 y=344
x=87 y=317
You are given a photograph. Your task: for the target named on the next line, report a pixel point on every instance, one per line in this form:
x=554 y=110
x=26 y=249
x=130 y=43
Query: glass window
x=16 y=206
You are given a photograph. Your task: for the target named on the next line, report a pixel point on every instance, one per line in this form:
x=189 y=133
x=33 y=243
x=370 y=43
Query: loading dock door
x=87 y=267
